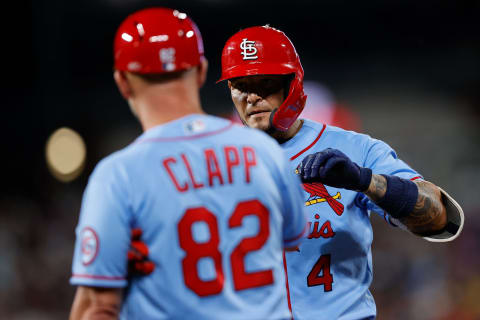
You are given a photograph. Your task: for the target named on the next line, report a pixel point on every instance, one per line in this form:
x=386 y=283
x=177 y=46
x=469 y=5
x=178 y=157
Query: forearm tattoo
x=429 y=214
x=377 y=188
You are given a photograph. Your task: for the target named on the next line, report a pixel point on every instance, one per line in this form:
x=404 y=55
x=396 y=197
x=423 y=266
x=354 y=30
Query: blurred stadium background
x=407 y=72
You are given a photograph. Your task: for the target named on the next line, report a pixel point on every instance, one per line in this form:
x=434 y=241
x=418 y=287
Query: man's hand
x=333 y=168
x=138 y=263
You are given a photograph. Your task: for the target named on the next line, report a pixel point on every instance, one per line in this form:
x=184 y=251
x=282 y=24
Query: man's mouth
x=257 y=112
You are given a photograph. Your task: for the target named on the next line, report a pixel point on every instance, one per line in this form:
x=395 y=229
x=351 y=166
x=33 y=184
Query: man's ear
x=123 y=84
x=202 y=72
x=229 y=84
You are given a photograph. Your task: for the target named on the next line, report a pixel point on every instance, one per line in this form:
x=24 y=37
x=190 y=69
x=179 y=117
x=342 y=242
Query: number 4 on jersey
x=320 y=274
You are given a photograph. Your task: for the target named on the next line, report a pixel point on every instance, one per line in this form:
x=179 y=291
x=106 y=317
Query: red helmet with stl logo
x=157 y=40
x=266 y=50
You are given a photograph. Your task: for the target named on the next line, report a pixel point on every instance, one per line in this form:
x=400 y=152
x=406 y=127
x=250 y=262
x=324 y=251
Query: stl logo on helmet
x=249 y=51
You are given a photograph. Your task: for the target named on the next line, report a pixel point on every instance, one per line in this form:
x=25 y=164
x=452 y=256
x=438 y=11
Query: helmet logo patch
x=249 y=51
x=167 y=57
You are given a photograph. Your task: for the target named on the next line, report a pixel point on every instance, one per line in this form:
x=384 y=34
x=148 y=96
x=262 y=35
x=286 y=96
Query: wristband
x=365 y=179
x=400 y=198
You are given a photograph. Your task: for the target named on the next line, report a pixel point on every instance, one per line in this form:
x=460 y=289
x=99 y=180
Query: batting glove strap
x=400 y=198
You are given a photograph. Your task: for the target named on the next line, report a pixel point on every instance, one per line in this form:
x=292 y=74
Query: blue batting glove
x=333 y=168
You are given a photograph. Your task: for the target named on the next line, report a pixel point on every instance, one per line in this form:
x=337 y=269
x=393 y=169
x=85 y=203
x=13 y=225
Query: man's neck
x=282 y=136
x=163 y=108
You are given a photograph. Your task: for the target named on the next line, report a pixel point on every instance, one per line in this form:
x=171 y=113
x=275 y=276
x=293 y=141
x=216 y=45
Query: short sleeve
x=103 y=231
x=382 y=159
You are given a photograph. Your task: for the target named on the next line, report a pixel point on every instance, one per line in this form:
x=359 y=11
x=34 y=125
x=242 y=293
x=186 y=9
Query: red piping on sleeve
x=90 y=276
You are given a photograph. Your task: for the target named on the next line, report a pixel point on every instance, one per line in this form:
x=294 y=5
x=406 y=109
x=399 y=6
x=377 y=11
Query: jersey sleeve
x=382 y=159
x=103 y=231
x=295 y=223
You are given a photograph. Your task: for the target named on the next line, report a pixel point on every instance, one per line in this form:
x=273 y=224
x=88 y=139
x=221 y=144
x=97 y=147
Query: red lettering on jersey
x=315 y=233
x=213 y=167
x=325 y=230
x=249 y=161
x=231 y=161
x=172 y=176
x=196 y=185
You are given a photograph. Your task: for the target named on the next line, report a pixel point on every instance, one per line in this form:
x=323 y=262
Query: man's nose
x=253 y=98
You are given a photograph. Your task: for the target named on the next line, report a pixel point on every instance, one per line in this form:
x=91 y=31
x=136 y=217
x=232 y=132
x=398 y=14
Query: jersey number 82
x=195 y=250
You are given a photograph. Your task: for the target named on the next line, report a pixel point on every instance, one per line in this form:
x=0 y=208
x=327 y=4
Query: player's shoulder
x=352 y=138
x=332 y=132
x=113 y=166
x=357 y=142
x=349 y=135
x=312 y=125
x=346 y=140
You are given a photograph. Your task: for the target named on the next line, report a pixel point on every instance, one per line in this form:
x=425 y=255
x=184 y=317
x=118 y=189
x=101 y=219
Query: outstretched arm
x=429 y=215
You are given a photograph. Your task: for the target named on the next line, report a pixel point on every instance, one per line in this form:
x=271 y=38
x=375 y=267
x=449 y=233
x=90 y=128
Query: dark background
x=408 y=70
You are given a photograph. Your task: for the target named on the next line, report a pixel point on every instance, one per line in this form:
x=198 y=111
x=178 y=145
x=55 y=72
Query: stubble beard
x=260 y=124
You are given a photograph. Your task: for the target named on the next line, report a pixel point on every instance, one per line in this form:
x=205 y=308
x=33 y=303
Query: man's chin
x=260 y=125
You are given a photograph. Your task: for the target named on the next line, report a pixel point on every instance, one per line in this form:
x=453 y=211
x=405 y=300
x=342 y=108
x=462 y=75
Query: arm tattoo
x=429 y=214
x=377 y=188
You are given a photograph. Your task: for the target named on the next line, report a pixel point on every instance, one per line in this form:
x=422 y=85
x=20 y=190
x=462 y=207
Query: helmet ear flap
x=291 y=108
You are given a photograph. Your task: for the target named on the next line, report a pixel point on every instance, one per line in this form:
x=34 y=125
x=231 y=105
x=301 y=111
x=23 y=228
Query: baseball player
x=346 y=175
x=216 y=202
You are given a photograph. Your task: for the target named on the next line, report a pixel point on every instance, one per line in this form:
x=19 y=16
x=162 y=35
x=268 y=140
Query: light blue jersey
x=217 y=204
x=329 y=277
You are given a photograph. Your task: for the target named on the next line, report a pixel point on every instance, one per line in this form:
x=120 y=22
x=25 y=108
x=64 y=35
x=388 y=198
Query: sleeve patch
x=89 y=245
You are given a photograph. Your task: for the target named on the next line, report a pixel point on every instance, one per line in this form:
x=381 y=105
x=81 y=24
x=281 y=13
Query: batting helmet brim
x=253 y=69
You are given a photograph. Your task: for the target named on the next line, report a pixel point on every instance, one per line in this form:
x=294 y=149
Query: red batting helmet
x=157 y=40
x=266 y=50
